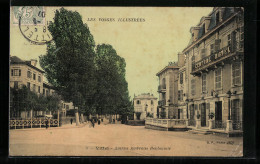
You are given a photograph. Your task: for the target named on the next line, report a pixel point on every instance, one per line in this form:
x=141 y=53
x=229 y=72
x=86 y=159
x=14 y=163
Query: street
x=118 y=140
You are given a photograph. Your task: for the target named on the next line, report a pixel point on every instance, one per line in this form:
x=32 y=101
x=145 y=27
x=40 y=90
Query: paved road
x=118 y=140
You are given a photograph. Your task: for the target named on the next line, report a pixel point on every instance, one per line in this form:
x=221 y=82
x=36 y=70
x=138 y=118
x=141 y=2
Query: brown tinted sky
x=146 y=46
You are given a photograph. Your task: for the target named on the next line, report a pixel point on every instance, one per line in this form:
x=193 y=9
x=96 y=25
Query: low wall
x=135 y=122
x=168 y=124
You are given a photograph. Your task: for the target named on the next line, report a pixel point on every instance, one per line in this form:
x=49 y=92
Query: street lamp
x=146 y=110
x=229 y=96
x=187 y=102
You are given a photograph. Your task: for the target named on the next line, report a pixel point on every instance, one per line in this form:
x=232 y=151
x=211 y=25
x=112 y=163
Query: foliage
x=149 y=115
x=25 y=100
x=69 y=60
x=112 y=89
x=211 y=115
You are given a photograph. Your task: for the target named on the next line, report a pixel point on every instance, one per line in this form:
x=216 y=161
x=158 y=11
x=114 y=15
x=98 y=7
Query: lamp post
x=187 y=102
x=146 y=110
x=229 y=107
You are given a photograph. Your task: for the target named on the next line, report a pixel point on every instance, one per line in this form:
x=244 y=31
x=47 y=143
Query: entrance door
x=203 y=114
x=218 y=114
x=237 y=124
x=179 y=113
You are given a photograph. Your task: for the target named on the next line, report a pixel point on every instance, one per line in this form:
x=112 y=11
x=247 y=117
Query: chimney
x=194 y=32
x=206 y=21
x=33 y=62
x=181 y=59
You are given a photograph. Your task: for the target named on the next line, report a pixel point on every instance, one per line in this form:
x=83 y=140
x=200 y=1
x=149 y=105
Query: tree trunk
x=77 y=117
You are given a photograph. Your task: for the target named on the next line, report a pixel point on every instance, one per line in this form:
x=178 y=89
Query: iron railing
x=162 y=102
x=219 y=124
x=192 y=122
x=237 y=125
x=33 y=123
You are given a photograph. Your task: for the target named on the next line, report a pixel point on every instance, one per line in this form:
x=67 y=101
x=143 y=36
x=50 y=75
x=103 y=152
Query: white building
x=145 y=105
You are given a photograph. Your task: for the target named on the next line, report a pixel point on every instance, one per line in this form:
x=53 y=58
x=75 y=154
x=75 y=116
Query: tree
x=112 y=92
x=69 y=60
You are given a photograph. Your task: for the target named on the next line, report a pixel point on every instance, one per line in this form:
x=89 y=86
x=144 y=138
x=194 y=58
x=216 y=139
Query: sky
x=147 y=47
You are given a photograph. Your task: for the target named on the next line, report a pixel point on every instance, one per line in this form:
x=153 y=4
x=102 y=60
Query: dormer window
x=217 y=18
x=203 y=29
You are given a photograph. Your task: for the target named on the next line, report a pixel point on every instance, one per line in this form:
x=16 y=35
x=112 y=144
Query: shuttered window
x=181 y=78
x=217 y=45
x=203 y=77
x=218 y=78
x=236 y=73
x=193 y=86
x=203 y=53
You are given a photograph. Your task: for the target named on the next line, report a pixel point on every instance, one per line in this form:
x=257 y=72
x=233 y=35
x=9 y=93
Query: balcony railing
x=162 y=102
x=219 y=124
x=168 y=123
x=192 y=122
x=162 y=88
x=216 y=57
x=237 y=125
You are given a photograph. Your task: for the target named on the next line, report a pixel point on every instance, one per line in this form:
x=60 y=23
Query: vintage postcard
x=126 y=81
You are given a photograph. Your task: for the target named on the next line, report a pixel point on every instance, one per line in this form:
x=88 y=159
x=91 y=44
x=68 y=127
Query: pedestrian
x=71 y=120
x=93 y=123
x=98 y=121
x=46 y=123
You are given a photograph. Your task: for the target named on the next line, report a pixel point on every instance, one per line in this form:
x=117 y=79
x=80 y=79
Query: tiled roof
x=15 y=59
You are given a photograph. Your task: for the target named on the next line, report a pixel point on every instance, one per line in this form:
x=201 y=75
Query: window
x=193 y=62
x=151 y=102
x=39 y=89
x=203 y=53
x=217 y=18
x=34 y=76
x=181 y=78
x=232 y=43
x=217 y=45
x=203 y=77
x=193 y=86
x=47 y=92
x=67 y=107
x=236 y=73
x=43 y=91
x=203 y=29
x=29 y=74
x=16 y=85
x=28 y=85
x=241 y=43
x=138 y=102
x=211 y=49
x=180 y=95
x=39 y=78
x=218 y=78
x=64 y=105
x=34 y=87
x=15 y=72
x=229 y=40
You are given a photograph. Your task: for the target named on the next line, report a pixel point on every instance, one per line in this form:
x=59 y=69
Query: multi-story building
x=145 y=105
x=168 y=90
x=214 y=69
x=25 y=73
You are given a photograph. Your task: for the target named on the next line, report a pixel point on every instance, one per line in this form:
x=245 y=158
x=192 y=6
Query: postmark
x=33 y=25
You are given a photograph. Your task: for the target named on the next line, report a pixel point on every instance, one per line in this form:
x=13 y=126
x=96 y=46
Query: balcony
x=161 y=102
x=217 y=58
x=162 y=88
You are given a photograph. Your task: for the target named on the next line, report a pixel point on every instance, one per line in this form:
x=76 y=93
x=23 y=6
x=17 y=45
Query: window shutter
x=203 y=52
x=217 y=44
x=196 y=106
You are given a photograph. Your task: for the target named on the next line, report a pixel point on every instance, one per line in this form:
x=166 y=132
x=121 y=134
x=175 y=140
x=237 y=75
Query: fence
x=33 y=123
x=168 y=123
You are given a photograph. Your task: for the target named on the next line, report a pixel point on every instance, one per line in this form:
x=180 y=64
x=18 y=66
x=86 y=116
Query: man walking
x=71 y=120
x=47 y=122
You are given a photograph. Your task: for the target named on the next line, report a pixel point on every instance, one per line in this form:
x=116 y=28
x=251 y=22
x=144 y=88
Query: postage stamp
x=30 y=15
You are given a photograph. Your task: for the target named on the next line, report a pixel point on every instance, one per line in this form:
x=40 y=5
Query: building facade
x=214 y=70
x=168 y=90
x=145 y=105
x=25 y=73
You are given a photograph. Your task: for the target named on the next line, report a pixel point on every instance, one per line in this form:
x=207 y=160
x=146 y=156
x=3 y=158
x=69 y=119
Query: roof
x=47 y=85
x=145 y=96
x=16 y=60
x=227 y=13
x=166 y=68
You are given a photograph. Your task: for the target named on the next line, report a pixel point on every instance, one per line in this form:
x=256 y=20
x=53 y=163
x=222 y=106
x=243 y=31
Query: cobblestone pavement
x=118 y=140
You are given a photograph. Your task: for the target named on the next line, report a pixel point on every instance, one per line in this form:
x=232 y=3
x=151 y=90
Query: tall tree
x=69 y=60
x=112 y=91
